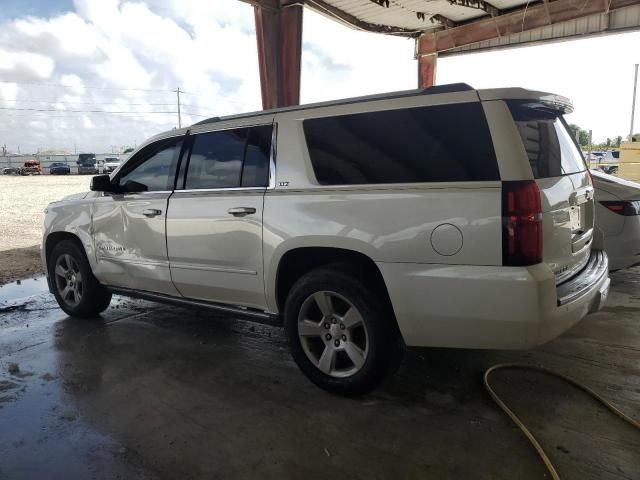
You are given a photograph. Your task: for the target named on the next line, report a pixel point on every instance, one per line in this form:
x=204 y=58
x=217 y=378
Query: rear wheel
x=76 y=290
x=340 y=331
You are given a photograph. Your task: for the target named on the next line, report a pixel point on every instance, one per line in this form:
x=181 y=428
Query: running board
x=243 y=312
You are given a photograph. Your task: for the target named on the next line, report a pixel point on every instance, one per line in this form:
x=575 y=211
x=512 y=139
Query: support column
x=427 y=70
x=279 y=35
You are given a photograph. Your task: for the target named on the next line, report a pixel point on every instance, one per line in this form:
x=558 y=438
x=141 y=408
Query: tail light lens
x=521 y=223
x=626 y=208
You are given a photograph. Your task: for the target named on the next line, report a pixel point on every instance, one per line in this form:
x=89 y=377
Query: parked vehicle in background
x=618 y=216
x=59 y=168
x=378 y=225
x=11 y=171
x=610 y=162
x=110 y=164
x=87 y=164
x=31 y=167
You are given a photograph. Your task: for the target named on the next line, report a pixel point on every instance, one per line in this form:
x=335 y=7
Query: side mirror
x=101 y=183
x=134 y=187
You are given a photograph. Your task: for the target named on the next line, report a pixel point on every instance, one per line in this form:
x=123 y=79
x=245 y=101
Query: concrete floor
x=150 y=391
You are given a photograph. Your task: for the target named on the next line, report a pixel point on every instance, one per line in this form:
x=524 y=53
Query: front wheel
x=340 y=331
x=76 y=290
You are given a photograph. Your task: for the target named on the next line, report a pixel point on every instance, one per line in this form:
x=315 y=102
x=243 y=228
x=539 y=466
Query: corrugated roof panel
x=405 y=13
x=616 y=20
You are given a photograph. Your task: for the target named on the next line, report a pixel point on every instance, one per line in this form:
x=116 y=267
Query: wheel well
x=56 y=237
x=295 y=263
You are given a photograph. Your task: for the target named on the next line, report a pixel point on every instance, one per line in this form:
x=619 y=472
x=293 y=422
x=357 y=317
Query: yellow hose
x=523 y=428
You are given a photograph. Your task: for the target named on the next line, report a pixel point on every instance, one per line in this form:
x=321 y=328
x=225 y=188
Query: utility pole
x=179 y=118
x=633 y=104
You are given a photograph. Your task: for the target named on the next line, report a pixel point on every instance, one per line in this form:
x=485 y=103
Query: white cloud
x=17 y=63
x=208 y=49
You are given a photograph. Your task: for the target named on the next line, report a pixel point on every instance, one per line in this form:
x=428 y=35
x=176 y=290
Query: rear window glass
x=449 y=143
x=547 y=141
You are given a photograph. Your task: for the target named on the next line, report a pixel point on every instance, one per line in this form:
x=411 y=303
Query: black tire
x=342 y=284
x=93 y=297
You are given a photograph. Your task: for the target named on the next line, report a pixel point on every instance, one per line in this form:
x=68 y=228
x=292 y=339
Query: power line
x=87 y=103
x=75 y=111
x=91 y=87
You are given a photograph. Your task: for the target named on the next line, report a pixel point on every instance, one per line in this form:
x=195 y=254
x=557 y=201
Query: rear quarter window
x=547 y=141
x=449 y=143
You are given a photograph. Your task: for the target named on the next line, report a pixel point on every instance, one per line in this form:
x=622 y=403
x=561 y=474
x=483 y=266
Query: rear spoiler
x=531 y=98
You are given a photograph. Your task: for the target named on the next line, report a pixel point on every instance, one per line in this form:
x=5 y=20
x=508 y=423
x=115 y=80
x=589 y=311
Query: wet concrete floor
x=150 y=391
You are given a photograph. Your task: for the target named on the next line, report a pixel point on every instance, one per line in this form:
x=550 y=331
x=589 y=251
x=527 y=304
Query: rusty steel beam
x=279 y=37
x=335 y=13
x=427 y=70
x=523 y=19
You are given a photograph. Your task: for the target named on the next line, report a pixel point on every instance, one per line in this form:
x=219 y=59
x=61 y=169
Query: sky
x=100 y=75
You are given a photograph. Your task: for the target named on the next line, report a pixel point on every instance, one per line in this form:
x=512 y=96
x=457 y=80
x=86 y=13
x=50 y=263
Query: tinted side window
x=550 y=148
x=230 y=158
x=154 y=166
x=216 y=159
x=425 y=144
x=255 y=170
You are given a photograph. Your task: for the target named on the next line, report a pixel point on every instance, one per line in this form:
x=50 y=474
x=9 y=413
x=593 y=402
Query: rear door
x=565 y=187
x=214 y=222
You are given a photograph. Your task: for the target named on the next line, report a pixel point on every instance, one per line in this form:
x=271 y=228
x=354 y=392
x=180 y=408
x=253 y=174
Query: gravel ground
x=22 y=204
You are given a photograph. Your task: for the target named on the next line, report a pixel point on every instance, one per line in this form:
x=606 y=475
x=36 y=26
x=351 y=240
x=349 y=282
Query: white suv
x=447 y=217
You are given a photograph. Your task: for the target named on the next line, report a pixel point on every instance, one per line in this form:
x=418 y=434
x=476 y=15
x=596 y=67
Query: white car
x=444 y=217
x=110 y=164
x=618 y=216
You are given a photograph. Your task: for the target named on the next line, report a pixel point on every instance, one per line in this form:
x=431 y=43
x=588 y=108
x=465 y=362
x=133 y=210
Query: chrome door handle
x=151 y=212
x=241 y=211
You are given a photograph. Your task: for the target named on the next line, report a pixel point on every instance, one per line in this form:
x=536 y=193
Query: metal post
x=279 y=38
x=427 y=70
x=179 y=117
x=633 y=103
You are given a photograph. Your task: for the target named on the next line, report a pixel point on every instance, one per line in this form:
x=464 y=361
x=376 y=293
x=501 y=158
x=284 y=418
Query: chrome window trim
x=271 y=185
x=125 y=194
x=194 y=131
x=214 y=190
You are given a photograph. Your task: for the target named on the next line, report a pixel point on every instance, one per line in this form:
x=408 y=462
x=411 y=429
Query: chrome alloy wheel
x=68 y=280
x=333 y=334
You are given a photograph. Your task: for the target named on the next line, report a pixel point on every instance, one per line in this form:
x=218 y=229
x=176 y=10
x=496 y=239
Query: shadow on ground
x=151 y=391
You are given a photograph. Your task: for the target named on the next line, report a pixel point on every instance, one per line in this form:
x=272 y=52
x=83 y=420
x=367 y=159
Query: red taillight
x=521 y=223
x=627 y=208
x=617 y=207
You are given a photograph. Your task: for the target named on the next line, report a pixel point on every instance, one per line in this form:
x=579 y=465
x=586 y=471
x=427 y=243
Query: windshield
x=551 y=150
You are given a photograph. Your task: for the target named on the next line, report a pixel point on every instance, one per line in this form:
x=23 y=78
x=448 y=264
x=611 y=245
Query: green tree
x=583 y=138
x=618 y=141
x=128 y=150
x=575 y=129
x=635 y=137
x=608 y=144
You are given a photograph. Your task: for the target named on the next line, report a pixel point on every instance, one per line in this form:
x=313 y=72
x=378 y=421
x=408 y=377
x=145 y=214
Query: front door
x=214 y=222
x=129 y=227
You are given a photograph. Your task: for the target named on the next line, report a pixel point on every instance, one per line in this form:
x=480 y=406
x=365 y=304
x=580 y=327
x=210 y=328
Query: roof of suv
x=450 y=88
x=514 y=93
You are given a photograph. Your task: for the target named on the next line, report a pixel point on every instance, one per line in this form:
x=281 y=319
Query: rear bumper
x=580 y=285
x=463 y=306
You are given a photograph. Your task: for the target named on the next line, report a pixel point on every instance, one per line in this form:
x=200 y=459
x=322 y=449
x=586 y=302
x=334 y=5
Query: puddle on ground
x=13 y=292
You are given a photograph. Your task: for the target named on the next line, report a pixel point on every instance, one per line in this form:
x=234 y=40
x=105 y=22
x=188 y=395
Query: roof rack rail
x=449 y=88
